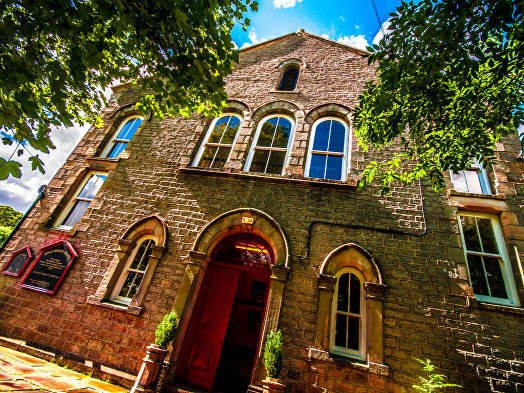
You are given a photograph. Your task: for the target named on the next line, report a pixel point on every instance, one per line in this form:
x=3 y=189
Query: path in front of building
x=20 y=372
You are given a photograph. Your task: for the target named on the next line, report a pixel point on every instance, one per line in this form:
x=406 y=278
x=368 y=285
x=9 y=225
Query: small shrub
x=166 y=329
x=434 y=382
x=273 y=354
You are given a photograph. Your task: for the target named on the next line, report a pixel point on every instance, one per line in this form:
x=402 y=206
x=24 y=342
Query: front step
x=186 y=389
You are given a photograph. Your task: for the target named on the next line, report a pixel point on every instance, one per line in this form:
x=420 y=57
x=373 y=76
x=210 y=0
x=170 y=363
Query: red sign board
x=50 y=268
x=18 y=261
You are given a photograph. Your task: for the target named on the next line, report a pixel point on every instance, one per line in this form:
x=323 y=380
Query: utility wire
x=378 y=17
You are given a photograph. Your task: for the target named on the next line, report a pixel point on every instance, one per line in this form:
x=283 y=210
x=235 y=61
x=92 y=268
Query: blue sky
x=351 y=22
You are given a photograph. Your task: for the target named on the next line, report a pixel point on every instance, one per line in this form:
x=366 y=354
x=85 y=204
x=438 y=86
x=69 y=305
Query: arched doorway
x=224 y=332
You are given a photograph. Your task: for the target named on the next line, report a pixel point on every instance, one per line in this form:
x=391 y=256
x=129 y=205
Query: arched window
x=121 y=138
x=219 y=141
x=270 y=147
x=289 y=79
x=134 y=271
x=348 y=315
x=327 y=157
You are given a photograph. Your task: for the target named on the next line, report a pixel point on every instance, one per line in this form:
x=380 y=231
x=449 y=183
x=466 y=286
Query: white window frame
x=253 y=147
x=115 y=297
x=346 y=154
x=114 y=139
x=209 y=131
x=507 y=272
x=362 y=354
x=69 y=206
x=482 y=174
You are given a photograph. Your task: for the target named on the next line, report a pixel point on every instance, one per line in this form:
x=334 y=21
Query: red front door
x=201 y=351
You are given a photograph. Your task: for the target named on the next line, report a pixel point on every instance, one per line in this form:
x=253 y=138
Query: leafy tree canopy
x=450 y=84
x=57 y=57
x=9 y=217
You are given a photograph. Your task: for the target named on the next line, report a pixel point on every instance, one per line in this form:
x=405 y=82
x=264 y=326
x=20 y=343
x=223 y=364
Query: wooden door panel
x=209 y=324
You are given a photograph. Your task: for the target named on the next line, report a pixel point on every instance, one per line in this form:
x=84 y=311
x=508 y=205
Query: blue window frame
x=327 y=151
x=122 y=137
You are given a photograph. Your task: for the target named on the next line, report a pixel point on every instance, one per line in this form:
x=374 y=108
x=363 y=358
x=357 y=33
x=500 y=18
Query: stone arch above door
x=243 y=221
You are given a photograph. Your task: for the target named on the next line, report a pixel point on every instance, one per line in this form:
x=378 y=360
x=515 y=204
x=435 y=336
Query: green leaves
x=9 y=168
x=57 y=58
x=449 y=81
x=432 y=382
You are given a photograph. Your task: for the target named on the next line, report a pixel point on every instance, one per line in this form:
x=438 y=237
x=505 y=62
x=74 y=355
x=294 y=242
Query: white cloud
x=19 y=193
x=285 y=3
x=379 y=35
x=253 y=39
x=326 y=36
x=356 y=41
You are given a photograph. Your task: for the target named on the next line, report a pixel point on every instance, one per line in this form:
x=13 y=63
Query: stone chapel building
x=252 y=222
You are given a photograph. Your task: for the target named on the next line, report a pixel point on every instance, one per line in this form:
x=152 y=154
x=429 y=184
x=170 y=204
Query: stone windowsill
x=96 y=301
x=324 y=356
x=496 y=307
x=102 y=164
x=485 y=203
x=61 y=231
x=302 y=181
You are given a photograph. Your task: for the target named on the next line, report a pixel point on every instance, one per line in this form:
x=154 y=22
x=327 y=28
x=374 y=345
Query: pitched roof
x=301 y=32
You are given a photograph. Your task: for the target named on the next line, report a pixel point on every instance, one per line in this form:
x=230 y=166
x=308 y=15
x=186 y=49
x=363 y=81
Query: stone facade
x=406 y=245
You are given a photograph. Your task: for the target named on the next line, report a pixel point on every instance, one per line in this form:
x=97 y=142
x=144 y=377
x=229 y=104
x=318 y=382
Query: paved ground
x=20 y=372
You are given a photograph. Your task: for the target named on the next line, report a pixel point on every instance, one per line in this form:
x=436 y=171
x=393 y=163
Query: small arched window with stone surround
x=129 y=274
x=349 y=321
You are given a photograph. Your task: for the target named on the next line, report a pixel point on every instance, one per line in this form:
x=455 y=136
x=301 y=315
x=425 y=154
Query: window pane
x=276 y=162
x=221 y=157
x=282 y=133
x=459 y=181
x=336 y=140
x=118 y=148
x=354 y=295
x=340 y=331
x=289 y=79
x=129 y=130
x=476 y=273
x=142 y=256
x=131 y=284
x=218 y=130
x=334 y=168
x=343 y=292
x=76 y=213
x=472 y=177
x=91 y=192
x=469 y=229
x=322 y=136
x=258 y=164
x=207 y=157
x=266 y=132
x=317 y=165
x=487 y=235
x=353 y=333
x=495 y=278
x=231 y=130
x=87 y=187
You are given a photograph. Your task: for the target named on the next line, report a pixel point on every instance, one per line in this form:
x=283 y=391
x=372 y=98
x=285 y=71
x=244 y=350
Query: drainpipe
x=41 y=194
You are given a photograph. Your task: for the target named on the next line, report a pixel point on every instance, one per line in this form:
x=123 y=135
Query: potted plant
x=155 y=354
x=273 y=362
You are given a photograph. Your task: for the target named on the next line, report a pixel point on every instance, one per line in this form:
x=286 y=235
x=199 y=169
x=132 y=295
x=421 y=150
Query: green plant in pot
x=273 y=362
x=165 y=331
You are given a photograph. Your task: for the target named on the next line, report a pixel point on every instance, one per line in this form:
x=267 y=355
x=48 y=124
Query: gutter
x=41 y=194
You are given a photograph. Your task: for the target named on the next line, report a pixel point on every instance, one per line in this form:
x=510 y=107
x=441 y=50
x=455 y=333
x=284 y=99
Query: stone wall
x=428 y=311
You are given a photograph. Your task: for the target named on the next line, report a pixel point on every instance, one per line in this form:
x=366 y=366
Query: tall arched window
x=289 y=79
x=327 y=156
x=121 y=138
x=133 y=272
x=348 y=315
x=219 y=141
x=270 y=147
